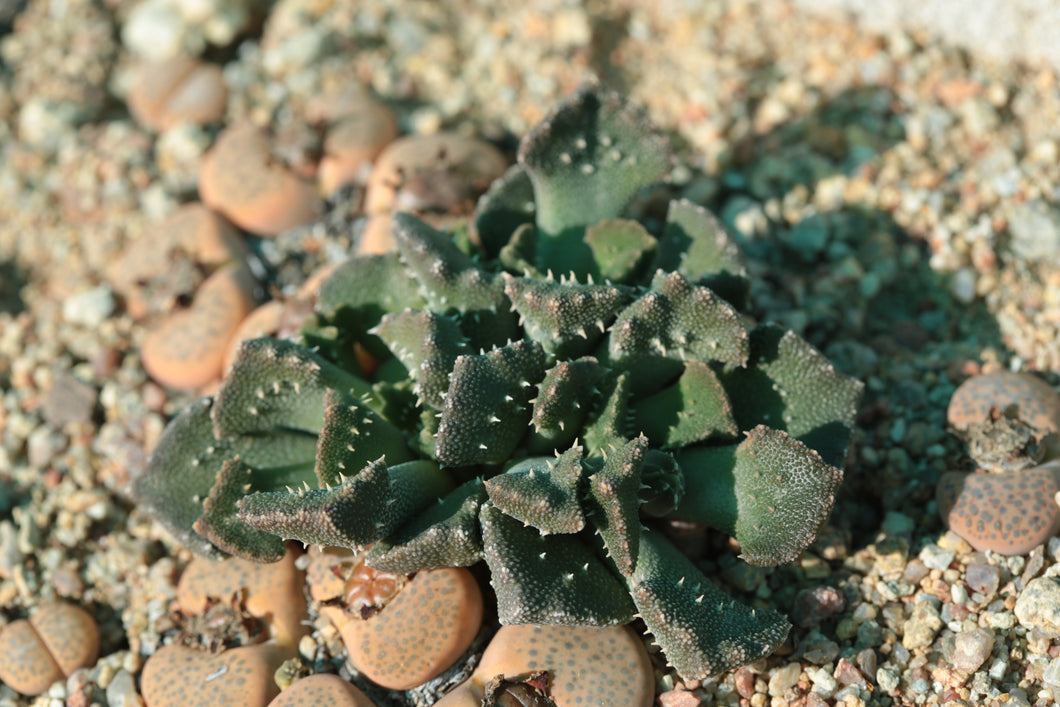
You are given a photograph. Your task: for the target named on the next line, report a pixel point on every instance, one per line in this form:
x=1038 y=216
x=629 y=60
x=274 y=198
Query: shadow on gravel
x=852 y=282
x=11 y=283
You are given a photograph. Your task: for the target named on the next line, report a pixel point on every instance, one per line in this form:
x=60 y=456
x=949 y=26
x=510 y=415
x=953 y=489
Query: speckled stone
x=1010 y=513
x=1038 y=607
x=1037 y=403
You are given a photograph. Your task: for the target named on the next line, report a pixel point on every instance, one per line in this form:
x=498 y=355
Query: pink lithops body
x=181 y=89
x=423 y=630
x=355 y=137
x=186 y=350
x=240 y=178
x=589 y=666
x=273 y=591
x=1010 y=513
x=57 y=640
x=322 y=689
x=442 y=173
x=178 y=676
x=1035 y=401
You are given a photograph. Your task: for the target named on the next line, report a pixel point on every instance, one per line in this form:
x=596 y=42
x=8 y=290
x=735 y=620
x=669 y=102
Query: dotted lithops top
x=420 y=633
x=1008 y=513
x=178 y=676
x=590 y=667
x=1037 y=403
x=319 y=690
x=57 y=640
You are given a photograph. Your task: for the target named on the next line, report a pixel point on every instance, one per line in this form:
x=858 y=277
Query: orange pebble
x=589 y=666
x=54 y=642
x=240 y=178
x=178 y=676
x=186 y=349
x=420 y=633
x=322 y=689
x=1036 y=402
x=432 y=173
x=273 y=591
x=1009 y=513
x=181 y=89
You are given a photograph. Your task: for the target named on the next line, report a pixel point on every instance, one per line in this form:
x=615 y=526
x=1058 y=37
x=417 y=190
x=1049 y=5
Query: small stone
x=846 y=673
x=678 y=698
x=972 y=648
x=1038 y=607
x=920 y=629
x=1034 y=228
x=784 y=679
x=812 y=606
x=69 y=401
x=176 y=90
x=89 y=308
x=983 y=578
x=887 y=681
x=935 y=557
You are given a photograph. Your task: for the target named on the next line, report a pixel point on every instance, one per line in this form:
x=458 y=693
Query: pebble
x=784 y=679
x=972 y=648
x=1034 y=229
x=89 y=308
x=178 y=676
x=590 y=667
x=1009 y=513
x=812 y=606
x=936 y=558
x=920 y=629
x=55 y=641
x=1038 y=607
x=983 y=578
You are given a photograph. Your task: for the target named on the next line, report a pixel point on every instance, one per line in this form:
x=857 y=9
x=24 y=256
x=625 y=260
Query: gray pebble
x=1035 y=229
x=89 y=308
x=887 y=681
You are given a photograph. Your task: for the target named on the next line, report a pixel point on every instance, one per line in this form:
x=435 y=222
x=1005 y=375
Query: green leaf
x=549 y=579
x=542 y=492
x=696 y=244
x=771 y=492
x=354 y=436
x=693 y=409
x=702 y=631
x=614 y=503
x=586 y=160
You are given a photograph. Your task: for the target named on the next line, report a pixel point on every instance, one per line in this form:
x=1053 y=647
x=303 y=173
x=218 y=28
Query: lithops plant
x=549 y=384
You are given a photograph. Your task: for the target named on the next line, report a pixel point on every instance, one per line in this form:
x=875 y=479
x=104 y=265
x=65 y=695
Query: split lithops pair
x=1010 y=422
x=549 y=383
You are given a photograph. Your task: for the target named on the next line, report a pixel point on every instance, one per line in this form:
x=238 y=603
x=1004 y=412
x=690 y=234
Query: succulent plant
x=551 y=381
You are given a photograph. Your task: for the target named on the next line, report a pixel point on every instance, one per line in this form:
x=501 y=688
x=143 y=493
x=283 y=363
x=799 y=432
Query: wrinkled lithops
x=1010 y=513
x=547 y=386
x=178 y=676
x=271 y=592
x=58 y=639
x=587 y=666
x=1008 y=420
